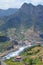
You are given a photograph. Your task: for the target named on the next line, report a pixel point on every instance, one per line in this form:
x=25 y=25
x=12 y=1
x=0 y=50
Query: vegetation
x=4 y=45
x=34 y=58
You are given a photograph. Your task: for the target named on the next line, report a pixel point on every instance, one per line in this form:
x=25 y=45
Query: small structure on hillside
x=18 y=59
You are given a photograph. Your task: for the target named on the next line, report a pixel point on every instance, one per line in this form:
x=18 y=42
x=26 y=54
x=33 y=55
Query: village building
x=18 y=59
x=27 y=42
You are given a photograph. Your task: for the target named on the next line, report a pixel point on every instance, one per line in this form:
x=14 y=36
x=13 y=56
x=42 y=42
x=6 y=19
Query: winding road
x=15 y=53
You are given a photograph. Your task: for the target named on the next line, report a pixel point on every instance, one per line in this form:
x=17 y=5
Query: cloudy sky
x=5 y=4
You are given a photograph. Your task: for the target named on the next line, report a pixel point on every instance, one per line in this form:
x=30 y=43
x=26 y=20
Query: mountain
x=27 y=16
x=7 y=12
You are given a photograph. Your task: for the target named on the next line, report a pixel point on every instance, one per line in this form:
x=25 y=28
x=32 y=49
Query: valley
x=21 y=35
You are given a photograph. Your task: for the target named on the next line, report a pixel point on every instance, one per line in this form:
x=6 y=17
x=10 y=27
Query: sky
x=5 y=4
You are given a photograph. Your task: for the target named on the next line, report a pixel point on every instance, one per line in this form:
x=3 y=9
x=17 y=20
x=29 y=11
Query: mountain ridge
x=26 y=16
x=7 y=12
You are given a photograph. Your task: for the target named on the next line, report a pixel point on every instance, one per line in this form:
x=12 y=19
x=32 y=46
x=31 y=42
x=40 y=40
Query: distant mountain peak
x=39 y=5
x=27 y=6
x=30 y=4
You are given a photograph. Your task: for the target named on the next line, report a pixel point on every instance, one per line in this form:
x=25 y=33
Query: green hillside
x=30 y=56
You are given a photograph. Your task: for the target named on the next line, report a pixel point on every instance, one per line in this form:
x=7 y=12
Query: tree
x=30 y=62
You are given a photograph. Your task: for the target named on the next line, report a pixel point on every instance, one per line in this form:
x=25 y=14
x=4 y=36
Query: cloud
x=4 y=4
x=36 y=2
